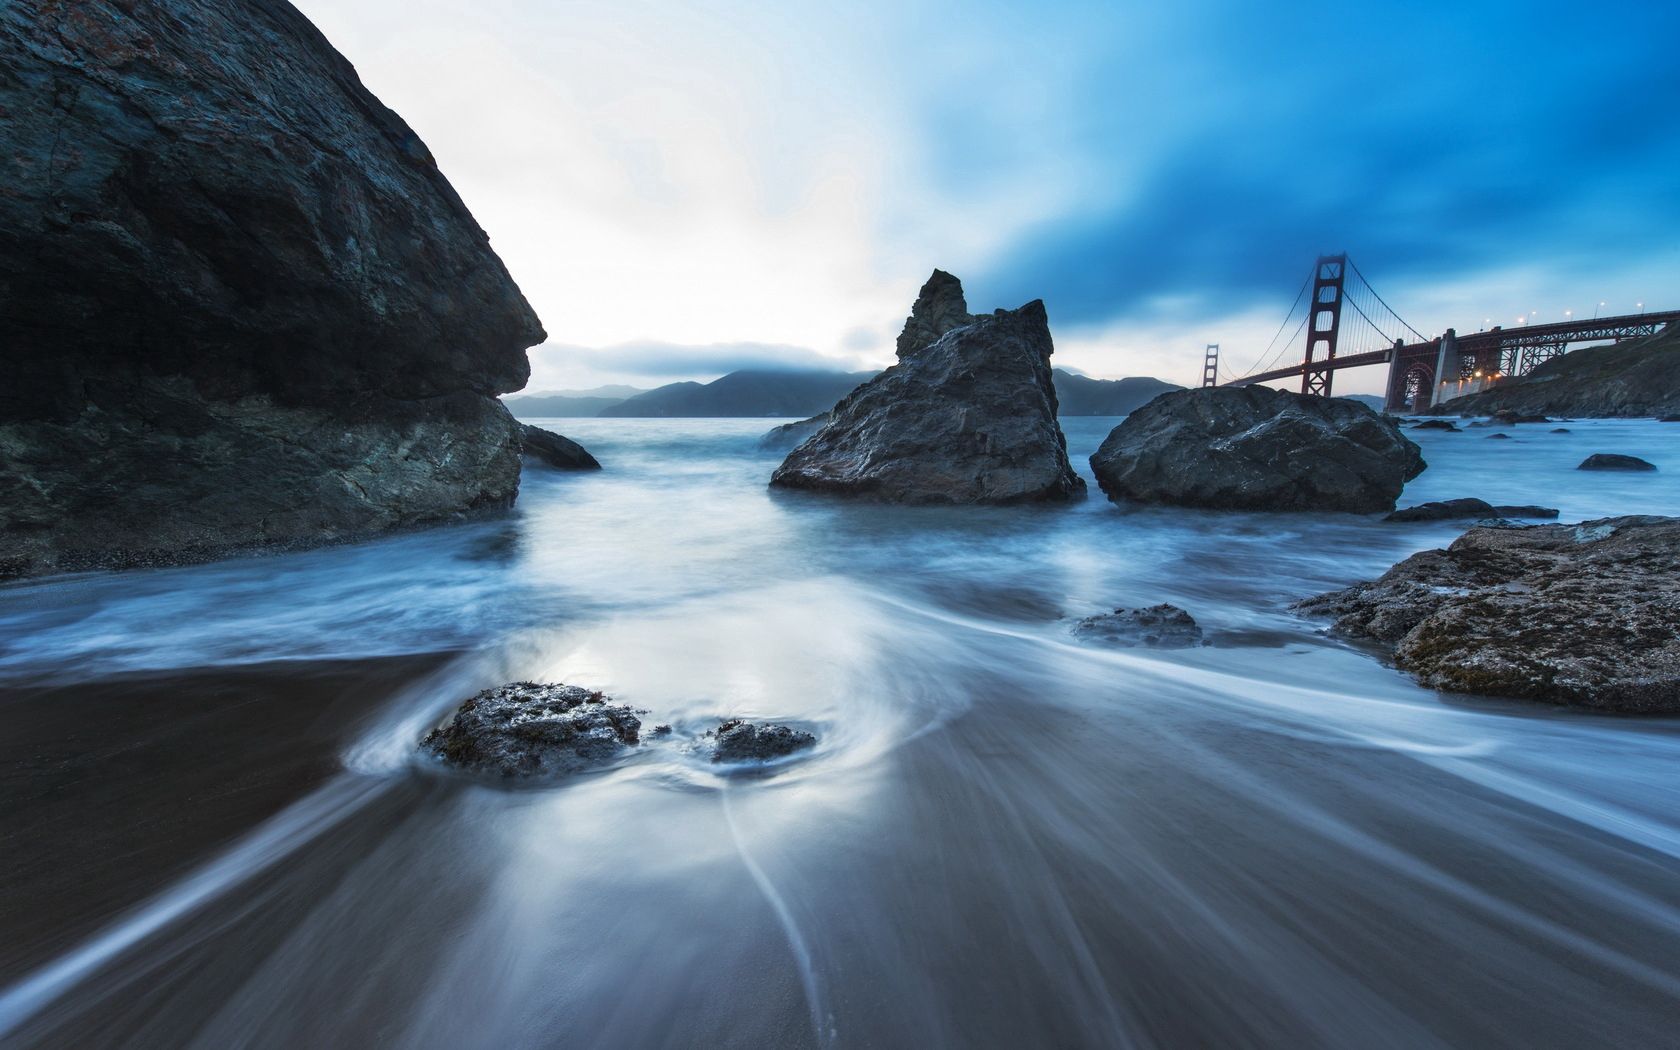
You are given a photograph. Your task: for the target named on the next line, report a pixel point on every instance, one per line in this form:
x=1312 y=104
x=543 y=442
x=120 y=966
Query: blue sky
x=681 y=189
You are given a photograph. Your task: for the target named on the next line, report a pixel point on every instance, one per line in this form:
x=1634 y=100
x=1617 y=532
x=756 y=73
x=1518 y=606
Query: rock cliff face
x=1254 y=448
x=966 y=417
x=241 y=305
x=1639 y=377
x=1585 y=615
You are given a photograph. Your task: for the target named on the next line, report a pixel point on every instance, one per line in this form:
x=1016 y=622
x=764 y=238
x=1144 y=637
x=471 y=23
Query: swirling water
x=1003 y=839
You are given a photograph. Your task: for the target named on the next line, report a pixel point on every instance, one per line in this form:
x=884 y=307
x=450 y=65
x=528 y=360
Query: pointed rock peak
x=939 y=308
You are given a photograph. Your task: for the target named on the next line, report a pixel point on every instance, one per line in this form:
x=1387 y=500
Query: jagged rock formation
x=1587 y=614
x=1154 y=627
x=968 y=415
x=939 y=308
x=1254 y=448
x=554 y=450
x=241 y=305
x=1638 y=377
x=525 y=729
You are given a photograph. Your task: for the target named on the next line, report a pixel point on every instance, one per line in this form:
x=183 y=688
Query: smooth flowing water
x=1004 y=838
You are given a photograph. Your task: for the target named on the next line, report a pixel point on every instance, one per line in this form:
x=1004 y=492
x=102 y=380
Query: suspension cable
x=1385 y=305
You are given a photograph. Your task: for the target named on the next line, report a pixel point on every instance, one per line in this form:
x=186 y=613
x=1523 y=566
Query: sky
x=683 y=189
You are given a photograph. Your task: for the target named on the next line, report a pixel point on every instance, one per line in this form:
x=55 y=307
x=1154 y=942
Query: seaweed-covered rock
x=554 y=450
x=531 y=730
x=1156 y=627
x=1586 y=615
x=1255 y=448
x=738 y=740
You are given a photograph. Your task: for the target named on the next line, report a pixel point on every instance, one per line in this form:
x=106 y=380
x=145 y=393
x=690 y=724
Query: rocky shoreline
x=1584 y=615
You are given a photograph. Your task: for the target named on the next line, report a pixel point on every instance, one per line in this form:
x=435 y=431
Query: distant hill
x=558 y=406
x=773 y=393
x=1636 y=377
x=1080 y=395
x=752 y=392
x=1370 y=401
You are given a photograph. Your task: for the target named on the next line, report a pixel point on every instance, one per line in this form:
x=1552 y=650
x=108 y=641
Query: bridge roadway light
x=1601 y=305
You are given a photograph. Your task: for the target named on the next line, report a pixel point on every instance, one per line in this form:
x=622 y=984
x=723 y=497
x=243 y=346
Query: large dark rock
x=529 y=730
x=969 y=417
x=1584 y=614
x=1614 y=461
x=1155 y=627
x=554 y=450
x=737 y=740
x=1254 y=448
x=241 y=306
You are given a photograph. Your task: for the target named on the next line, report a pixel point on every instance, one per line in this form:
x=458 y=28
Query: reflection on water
x=1002 y=839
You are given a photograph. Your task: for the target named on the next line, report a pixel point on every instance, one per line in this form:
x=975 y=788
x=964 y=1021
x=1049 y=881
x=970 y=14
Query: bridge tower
x=1325 y=322
x=1210 y=365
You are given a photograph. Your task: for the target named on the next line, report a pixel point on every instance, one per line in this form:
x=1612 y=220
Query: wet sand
x=111 y=789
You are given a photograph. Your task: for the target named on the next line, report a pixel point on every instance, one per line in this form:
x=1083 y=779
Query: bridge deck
x=1620 y=327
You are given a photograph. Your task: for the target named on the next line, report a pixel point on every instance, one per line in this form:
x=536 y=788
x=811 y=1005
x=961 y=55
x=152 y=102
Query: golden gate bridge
x=1349 y=325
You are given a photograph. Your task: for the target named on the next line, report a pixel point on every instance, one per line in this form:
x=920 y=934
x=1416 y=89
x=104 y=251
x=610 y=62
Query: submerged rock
x=1157 y=627
x=529 y=730
x=1255 y=448
x=1587 y=614
x=242 y=307
x=554 y=450
x=969 y=417
x=1456 y=509
x=1499 y=437
x=738 y=740
x=1614 y=461
x=1560 y=430
x=1435 y=424
x=789 y=435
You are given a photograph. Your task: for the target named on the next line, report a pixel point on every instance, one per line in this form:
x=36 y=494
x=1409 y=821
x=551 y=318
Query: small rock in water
x=1436 y=424
x=554 y=450
x=1614 y=461
x=1560 y=430
x=1158 y=627
x=527 y=729
x=1455 y=509
x=1509 y=416
x=1500 y=436
x=789 y=435
x=741 y=741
